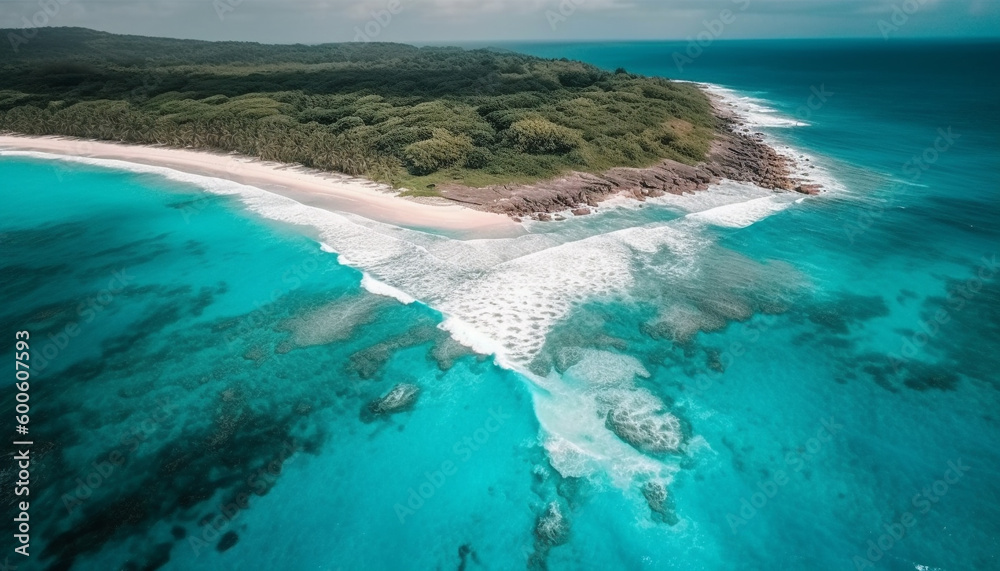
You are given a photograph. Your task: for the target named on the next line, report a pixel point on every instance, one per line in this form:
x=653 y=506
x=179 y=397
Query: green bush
x=478 y=158
x=397 y=139
x=502 y=120
x=324 y=116
x=540 y=136
x=346 y=124
x=442 y=150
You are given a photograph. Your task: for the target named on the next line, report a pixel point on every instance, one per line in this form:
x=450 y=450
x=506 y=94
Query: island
x=490 y=129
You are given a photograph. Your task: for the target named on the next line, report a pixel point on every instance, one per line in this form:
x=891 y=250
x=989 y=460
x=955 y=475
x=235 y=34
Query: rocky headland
x=735 y=155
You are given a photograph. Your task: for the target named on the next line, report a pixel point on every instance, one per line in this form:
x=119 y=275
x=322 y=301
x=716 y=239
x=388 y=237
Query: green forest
x=411 y=117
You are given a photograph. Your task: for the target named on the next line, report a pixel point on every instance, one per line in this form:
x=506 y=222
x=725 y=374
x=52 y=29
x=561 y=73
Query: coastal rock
x=580 y=211
x=809 y=188
x=401 y=397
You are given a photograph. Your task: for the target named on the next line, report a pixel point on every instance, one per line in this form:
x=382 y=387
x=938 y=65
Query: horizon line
x=458 y=43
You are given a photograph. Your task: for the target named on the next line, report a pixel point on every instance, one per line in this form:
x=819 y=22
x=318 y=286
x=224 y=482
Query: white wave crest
x=376 y=287
x=753 y=111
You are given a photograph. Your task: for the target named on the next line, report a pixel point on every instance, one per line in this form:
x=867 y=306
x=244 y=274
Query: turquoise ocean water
x=735 y=379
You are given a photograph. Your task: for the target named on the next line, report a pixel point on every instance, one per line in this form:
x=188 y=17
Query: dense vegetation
x=405 y=115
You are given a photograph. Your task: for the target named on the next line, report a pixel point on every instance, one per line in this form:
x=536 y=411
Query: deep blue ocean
x=731 y=380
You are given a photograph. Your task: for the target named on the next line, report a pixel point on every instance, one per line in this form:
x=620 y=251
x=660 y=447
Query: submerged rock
x=466 y=553
x=551 y=530
x=367 y=362
x=228 y=540
x=646 y=430
x=552 y=527
x=713 y=359
x=446 y=351
x=678 y=323
x=659 y=502
x=401 y=397
x=566 y=357
x=334 y=321
x=257 y=354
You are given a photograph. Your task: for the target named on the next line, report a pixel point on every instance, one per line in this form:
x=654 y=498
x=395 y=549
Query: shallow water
x=797 y=375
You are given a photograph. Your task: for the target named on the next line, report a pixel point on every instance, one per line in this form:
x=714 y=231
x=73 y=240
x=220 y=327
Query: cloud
x=435 y=21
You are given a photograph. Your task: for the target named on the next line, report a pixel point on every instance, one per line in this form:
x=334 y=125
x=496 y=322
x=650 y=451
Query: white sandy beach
x=329 y=191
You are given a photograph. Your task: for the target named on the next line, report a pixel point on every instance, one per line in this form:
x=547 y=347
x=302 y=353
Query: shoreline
x=328 y=191
x=737 y=154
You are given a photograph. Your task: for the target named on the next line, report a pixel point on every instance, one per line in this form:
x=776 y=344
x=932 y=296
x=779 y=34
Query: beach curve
x=328 y=191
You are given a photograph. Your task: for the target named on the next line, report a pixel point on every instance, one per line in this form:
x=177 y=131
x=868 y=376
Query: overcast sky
x=454 y=21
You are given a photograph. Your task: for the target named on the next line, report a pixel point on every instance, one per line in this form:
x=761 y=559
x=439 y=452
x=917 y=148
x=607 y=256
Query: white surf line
x=757 y=114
